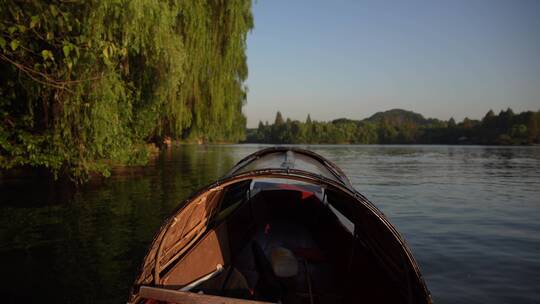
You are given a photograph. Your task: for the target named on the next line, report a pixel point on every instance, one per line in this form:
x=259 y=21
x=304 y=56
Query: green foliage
x=86 y=84
x=404 y=127
x=215 y=37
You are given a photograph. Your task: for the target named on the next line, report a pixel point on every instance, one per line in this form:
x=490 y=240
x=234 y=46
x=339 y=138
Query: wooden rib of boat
x=284 y=225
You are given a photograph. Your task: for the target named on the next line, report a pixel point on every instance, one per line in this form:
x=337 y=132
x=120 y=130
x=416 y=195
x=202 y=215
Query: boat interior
x=274 y=240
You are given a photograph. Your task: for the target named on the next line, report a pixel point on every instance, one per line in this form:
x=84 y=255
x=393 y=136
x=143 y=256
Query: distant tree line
x=87 y=84
x=403 y=127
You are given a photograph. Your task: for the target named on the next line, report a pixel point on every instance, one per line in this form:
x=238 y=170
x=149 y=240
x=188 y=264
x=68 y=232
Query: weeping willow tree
x=87 y=84
x=215 y=37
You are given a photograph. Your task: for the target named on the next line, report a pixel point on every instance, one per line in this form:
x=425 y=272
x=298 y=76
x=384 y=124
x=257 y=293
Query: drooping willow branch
x=49 y=81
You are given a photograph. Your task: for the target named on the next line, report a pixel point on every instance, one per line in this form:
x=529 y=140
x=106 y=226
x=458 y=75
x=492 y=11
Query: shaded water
x=471 y=216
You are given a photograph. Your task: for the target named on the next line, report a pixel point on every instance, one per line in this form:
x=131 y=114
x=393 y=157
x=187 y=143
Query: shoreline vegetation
x=399 y=126
x=88 y=85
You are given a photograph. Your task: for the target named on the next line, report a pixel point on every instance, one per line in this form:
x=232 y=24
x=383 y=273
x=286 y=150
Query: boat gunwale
x=333 y=168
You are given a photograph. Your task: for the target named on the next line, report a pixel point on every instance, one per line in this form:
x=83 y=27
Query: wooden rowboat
x=284 y=225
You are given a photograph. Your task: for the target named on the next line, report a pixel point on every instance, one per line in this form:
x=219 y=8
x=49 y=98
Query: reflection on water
x=470 y=214
x=87 y=247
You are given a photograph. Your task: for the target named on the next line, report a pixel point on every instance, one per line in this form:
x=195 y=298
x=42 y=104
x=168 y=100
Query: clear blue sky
x=351 y=59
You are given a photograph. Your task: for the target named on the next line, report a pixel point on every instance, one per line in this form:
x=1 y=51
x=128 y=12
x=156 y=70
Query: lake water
x=470 y=214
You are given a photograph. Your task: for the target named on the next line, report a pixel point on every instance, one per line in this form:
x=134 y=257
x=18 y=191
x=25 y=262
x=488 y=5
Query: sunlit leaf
x=34 y=21
x=14 y=44
x=66 y=50
x=47 y=54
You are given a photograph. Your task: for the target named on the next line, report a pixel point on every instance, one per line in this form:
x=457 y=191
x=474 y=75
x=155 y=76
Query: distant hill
x=399 y=117
x=395 y=117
